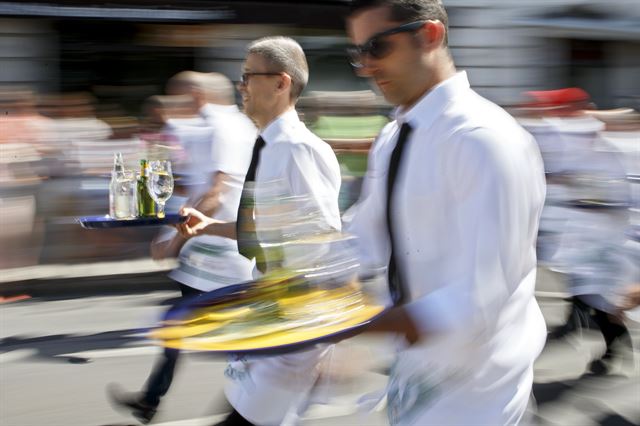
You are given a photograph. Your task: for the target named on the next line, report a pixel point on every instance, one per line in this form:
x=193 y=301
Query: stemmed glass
x=160 y=183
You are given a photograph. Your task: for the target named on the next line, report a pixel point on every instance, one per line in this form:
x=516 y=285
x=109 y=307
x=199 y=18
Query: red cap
x=556 y=98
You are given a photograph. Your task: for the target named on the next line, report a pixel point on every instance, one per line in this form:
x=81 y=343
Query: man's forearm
x=169 y=248
x=210 y=201
x=222 y=229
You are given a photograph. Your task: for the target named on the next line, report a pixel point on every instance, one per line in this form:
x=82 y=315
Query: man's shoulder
x=300 y=138
x=313 y=146
x=303 y=147
x=186 y=122
x=235 y=127
x=475 y=114
x=229 y=118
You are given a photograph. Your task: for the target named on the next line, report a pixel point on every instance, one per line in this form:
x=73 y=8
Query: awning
x=604 y=28
x=325 y=14
x=124 y=13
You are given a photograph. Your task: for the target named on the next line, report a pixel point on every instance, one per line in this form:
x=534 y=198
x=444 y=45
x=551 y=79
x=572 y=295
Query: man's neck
x=263 y=122
x=438 y=74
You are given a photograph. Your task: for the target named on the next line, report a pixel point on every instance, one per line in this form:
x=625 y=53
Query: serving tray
x=107 y=222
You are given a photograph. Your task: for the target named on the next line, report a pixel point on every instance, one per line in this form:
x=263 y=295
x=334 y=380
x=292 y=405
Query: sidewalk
x=141 y=275
x=129 y=276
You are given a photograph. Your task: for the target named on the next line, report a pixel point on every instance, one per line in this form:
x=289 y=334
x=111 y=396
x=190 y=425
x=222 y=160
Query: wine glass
x=160 y=183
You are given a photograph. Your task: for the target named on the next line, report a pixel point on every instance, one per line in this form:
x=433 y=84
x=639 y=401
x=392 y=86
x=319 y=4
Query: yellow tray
x=193 y=324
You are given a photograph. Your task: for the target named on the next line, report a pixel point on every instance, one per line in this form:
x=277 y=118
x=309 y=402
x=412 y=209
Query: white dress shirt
x=208 y=262
x=465 y=213
x=294 y=165
x=299 y=175
x=304 y=162
x=198 y=137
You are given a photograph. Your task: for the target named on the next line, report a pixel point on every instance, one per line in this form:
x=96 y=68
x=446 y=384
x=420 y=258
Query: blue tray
x=106 y=222
x=593 y=204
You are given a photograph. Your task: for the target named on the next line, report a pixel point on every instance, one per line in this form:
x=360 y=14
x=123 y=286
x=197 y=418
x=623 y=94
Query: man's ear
x=431 y=34
x=284 y=82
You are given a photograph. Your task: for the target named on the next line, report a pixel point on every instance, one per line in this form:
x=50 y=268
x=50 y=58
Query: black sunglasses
x=376 y=46
x=244 y=78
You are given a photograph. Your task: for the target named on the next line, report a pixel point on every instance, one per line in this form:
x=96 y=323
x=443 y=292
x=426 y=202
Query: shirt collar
x=425 y=111
x=278 y=126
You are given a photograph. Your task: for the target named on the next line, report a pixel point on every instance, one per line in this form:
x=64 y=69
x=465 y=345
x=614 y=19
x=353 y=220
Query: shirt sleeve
x=317 y=181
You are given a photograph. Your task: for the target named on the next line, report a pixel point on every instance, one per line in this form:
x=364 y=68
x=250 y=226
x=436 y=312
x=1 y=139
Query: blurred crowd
x=57 y=153
x=589 y=227
x=592 y=165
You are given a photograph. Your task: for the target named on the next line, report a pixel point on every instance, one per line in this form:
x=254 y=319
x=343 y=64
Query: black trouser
x=611 y=331
x=234 y=419
x=582 y=313
x=161 y=377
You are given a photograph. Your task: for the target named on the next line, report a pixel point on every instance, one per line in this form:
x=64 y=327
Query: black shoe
x=131 y=402
x=599 y=367
x=614 y=332
x=617 y=340
x=234 y=419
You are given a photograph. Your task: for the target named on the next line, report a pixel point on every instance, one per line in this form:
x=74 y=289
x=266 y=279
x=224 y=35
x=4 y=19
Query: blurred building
x=115 y=54
x=124 y=50
x=509 y=46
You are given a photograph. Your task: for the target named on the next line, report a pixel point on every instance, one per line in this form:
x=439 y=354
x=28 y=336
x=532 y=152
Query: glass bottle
x=118 y=168
x=146 y=205
x=122 y=191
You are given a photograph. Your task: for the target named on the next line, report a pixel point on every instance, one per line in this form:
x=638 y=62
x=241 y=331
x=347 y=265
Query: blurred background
x=78 y=77
x=74 y=76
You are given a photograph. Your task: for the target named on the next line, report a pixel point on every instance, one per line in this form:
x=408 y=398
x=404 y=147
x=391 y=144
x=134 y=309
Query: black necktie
x=248 y=244
x=255 y=159
x=398 y=293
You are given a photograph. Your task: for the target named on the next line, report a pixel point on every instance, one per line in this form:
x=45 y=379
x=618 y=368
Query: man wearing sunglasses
x=451 y=204
x=268 y=390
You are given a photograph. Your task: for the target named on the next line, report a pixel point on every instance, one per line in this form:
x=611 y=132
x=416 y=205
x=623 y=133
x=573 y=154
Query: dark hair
x=409 y=11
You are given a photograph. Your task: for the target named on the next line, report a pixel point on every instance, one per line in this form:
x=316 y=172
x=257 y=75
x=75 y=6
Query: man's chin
x=384 y=90
x=389 y=97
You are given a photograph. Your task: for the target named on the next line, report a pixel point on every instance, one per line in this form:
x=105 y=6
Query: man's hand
x=398 y=321
x=631 y=298
x=199 y=223
x=196 y=223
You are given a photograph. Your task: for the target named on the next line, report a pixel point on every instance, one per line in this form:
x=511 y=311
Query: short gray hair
x=284 y=54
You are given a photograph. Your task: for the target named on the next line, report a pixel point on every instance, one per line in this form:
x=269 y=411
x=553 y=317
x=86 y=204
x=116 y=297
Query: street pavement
x=58 y=355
